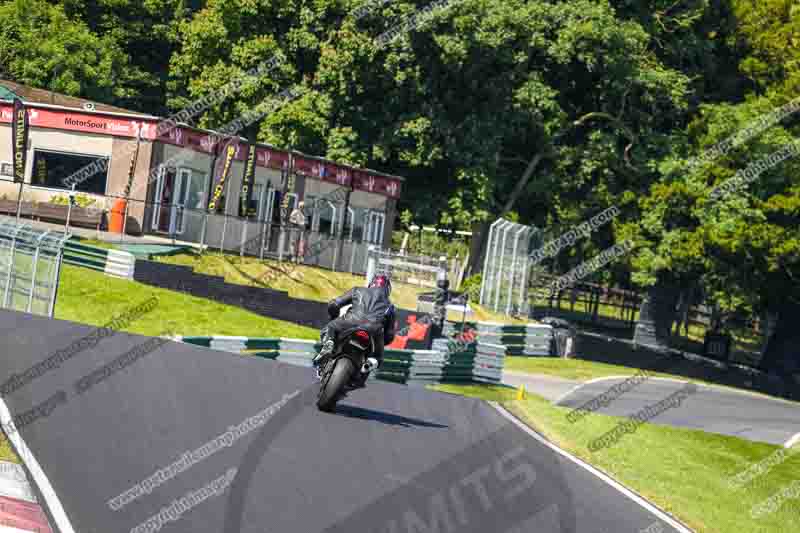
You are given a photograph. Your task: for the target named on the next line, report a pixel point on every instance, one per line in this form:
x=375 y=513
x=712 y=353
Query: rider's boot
x=325 y=351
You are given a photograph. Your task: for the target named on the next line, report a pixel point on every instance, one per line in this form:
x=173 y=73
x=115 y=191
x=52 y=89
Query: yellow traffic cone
x=521 y=393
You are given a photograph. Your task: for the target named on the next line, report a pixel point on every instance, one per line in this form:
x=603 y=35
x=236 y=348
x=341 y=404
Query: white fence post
x=372 y=262
x=485 y=276
x=499 y=277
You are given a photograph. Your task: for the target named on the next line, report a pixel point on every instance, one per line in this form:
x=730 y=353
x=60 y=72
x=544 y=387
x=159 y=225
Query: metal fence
x=30 y=266
x=329 y=245
x=506 y=270
x=422 y=271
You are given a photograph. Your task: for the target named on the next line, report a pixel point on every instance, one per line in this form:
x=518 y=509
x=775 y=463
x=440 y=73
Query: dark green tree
x=40 y=45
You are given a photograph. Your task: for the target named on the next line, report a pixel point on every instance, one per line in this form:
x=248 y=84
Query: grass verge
x=684 y=472
x=579 y=369
x=574 y=369
x=306 y=282
x=92 y=298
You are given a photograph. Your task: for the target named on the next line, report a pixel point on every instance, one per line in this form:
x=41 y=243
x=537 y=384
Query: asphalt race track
x=711 y=409
x=394 y=459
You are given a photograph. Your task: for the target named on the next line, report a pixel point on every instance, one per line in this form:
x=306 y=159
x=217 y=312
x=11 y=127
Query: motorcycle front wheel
x=332 y=386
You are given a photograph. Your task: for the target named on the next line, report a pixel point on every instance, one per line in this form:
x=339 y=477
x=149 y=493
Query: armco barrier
x=110 y=262
x=519 y=339
x=469 y=363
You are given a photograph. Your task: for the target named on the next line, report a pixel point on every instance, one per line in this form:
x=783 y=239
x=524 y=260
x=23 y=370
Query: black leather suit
x=370 y=309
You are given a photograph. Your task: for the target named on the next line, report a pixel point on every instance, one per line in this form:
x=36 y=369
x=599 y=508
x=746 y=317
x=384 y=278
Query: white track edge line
x=591 y=381
x=54 y=505
x=564 y=396
x=663 y=515
x=792 y=441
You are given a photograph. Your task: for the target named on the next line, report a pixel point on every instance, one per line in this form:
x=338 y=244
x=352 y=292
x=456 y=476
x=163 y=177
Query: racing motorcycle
x=340 y=371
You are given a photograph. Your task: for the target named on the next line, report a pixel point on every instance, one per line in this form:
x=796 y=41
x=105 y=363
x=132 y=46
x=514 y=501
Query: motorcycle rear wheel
x=332 y=387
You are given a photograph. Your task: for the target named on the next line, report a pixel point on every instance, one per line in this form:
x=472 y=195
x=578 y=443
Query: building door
x=191 y=195
x=162 y=210
x=173 y=190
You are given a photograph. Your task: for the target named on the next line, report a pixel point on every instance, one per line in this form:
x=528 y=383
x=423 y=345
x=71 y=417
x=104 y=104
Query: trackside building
x=174 y=178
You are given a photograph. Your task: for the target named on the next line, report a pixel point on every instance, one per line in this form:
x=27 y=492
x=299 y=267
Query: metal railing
x=30 y=266
x=417 y=270
x=335 y=247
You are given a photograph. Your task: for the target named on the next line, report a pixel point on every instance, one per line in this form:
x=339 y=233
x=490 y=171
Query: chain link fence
x=507 y=267
x=30 y=266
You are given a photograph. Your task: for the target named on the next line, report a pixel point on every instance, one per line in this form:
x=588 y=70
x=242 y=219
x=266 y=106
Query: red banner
x=270 y=158
x=367 y=181
x=6 y=113
x=199 y=141
x=304 y=165
x=84 y=122
x=390 y=187
x=176 y=136
x=340 y=175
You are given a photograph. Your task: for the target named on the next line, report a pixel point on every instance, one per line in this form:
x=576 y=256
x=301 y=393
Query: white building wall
x=53 y=140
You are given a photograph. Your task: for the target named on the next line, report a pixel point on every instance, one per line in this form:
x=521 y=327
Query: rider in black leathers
x=371 y=309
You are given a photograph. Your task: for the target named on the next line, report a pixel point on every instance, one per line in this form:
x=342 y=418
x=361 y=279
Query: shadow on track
x=351 y=411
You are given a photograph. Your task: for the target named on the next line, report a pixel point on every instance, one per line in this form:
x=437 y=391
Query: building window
x=374 y=221
x=348 y=223
x=357 y=221
x=260 y=201
x=196 y=190
x=255 y=200
x=50 y=168
x=324 y=219
x=271 y=199
x=6 y=170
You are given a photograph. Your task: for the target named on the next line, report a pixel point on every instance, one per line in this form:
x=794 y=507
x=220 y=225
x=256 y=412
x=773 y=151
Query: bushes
x=433 y=245
x=472 y=287
x=81 y=200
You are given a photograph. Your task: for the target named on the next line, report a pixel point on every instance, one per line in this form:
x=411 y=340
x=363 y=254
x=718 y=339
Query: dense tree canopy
x=547 y=111
x=42 y=46
x=743 y=250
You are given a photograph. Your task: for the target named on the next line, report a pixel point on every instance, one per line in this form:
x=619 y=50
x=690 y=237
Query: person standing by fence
x=298 y=224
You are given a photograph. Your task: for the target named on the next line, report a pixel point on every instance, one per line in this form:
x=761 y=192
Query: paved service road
x=549 y=387
x=711 y=409
x=394 y=459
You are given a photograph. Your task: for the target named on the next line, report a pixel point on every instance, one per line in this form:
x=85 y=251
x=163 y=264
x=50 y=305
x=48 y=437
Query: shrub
x=472 y=287
x=81 y=200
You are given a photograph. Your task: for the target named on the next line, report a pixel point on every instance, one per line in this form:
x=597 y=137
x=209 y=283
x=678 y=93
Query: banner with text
x=19 y=140
x=228 y=151
x=248 y=181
